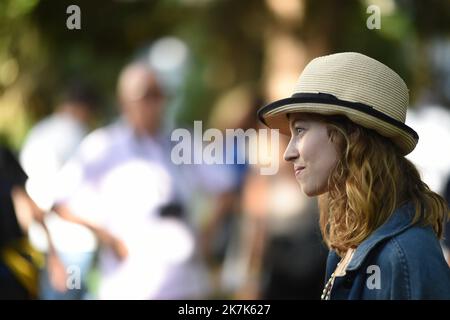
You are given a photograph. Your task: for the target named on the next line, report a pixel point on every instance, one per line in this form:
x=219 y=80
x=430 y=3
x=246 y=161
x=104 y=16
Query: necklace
x=340 y=271
x=326 y=293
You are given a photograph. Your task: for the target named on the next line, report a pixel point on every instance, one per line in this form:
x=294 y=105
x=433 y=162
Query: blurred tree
x=265 y=42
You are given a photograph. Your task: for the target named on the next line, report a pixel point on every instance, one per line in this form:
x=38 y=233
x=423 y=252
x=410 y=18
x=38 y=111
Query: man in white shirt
x=117 y=184
x=48 y=145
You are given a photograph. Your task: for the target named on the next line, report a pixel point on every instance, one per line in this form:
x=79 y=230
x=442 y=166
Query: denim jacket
x=397 y=261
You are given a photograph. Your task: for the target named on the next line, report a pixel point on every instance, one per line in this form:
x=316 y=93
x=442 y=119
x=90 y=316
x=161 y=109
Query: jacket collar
x=399 y=221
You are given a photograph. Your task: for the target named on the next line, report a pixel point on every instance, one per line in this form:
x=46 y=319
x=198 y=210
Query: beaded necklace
x=339 y=272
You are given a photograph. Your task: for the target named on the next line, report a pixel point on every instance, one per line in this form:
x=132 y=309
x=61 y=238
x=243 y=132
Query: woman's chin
x=311 y=192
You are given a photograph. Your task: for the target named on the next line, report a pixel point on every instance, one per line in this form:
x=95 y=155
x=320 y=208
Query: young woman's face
x=312 y=152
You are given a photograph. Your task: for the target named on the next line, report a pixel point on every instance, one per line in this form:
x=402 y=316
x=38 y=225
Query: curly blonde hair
x=370 y=180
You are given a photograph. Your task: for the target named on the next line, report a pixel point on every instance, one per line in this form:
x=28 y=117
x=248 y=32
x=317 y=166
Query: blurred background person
x=221 y=185
x=48 y=145
x=20 y=262
x=431 y=118
x=119 y=184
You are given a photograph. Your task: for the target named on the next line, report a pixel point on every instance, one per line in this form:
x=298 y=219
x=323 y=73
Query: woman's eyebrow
x=292 y=122
x=299 y=121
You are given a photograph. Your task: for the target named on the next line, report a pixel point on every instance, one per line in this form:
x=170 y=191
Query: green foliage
x=227 y=39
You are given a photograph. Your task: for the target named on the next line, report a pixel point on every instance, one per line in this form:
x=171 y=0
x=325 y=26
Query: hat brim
x=274 y=116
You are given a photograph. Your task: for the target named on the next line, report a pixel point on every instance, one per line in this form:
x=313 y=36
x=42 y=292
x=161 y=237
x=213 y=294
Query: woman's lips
x=298 y=170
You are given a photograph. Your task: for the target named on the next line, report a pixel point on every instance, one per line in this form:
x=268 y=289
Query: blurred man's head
x=80 y=100
x=141 y=98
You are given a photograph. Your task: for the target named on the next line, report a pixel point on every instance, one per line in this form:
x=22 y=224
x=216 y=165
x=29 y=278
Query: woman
x=348 y=143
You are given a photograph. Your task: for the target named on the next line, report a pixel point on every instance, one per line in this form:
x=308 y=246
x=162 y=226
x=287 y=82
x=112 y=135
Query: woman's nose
x=291 y=152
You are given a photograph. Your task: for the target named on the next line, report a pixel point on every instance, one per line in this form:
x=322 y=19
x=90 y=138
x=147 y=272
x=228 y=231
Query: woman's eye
x=299 y=130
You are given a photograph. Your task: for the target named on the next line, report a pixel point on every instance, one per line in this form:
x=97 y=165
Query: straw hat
x=351 y=84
